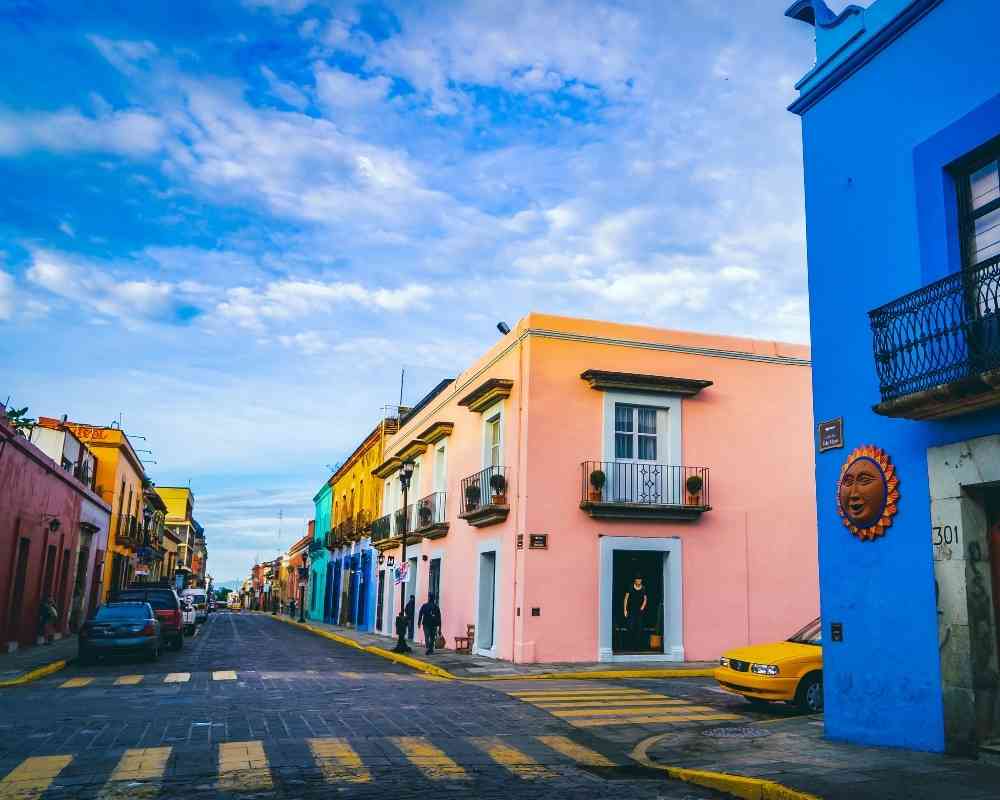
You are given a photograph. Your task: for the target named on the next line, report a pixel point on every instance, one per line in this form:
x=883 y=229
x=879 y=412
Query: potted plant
x=472 y=497
x=694 y=485
x=424 y=512
x=498 y=485
x=597 y=481
x=656 y=638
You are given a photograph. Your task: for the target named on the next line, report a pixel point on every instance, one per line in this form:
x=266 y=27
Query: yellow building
x=119 y=482
x=180 y=526
x=356 y=493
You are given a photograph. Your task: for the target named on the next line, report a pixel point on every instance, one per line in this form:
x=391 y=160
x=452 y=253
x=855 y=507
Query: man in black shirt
x=411 y=604
x=635 y=609
x=430 y=620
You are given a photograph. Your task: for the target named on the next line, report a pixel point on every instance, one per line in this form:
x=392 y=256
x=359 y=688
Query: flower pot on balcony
x=498 y=486
x=597 y=481
x=471 y=498
x=694 y=484
x=655 y=641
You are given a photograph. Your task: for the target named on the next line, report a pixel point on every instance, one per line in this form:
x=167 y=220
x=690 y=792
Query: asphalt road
x=254 y=708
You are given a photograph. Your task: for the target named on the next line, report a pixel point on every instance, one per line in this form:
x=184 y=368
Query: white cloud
x=286 y=92
x=131 y=133
x=6 y=296
x=338 y=90
x=285 y=300
x=123 y=54
x=308 y=343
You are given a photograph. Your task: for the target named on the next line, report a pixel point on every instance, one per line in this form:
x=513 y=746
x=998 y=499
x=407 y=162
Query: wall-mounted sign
x=520 y=541
x=538 y=541
x=830 y=434
x=868 y=492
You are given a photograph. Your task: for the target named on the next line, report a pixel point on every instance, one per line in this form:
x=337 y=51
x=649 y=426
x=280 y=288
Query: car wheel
x=809 y=697
x=179 y=641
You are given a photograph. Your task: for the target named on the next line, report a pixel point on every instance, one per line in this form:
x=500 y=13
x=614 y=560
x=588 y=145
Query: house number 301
x=945 y=534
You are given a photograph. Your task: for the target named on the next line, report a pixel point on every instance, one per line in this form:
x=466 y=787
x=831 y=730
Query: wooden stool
x=463 y=644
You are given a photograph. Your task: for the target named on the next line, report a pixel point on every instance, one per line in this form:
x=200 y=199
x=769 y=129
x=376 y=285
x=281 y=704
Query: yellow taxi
x=791 y=670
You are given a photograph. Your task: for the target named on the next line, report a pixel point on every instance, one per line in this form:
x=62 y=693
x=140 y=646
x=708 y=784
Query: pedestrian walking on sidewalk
x=47 y=614
x=291 y=608
x=408 y=612
x=430 y=620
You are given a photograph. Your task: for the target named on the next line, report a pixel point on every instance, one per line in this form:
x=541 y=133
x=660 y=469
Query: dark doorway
x=380 y=600
x=646 y=636
x=993 y=512
x=434 y=579
x=14 y=632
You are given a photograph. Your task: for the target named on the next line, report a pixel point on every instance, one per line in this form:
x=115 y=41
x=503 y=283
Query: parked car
x=120 y=629
x=791 y=670
x=166 y=605
x=188 y=616
x=200 y=600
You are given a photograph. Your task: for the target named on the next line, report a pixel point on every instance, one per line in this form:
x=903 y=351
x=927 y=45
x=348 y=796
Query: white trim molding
x=673 y=594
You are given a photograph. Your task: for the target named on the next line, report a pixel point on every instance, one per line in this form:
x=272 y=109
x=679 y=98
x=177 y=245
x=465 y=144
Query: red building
x=40 y=538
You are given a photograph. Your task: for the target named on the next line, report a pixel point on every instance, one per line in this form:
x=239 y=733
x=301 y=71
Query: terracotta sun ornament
x=868 y=492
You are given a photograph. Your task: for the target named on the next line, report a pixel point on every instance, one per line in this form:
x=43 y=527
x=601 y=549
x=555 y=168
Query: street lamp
x=405 y=473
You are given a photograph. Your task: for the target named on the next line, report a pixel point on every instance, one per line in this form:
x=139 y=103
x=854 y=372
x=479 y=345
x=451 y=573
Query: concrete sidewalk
x=792 y=752
x=473 y=666
x=27 y=659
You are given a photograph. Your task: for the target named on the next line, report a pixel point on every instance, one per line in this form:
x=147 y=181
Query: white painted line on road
x=177 y=677
x=224 y=675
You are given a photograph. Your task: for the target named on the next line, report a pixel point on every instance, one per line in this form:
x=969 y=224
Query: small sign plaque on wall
x=830 y=434
x=539 y=541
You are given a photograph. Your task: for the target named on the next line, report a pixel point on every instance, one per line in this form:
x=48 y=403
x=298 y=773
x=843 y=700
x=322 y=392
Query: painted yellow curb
x=440 y=672
x=33 y=675
x=620 y=674
x=734 y=785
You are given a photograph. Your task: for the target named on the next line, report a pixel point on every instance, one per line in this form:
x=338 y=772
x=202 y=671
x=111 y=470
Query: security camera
x=503 y=327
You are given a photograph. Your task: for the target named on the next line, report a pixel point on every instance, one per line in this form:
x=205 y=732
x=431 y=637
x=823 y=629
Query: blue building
x=320 y=564
x=901 y=136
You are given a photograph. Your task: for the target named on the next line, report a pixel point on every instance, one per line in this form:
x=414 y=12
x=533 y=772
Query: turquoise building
x=320 y=564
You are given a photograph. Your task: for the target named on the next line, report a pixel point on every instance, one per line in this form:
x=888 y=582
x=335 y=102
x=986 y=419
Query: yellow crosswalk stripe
x=128 y=680
x=32 y=777
x=338 y=761
x=243 y=766
x=142 y=764
x=430 y=760
x=76 y=683
x=224 y=675
x=591 y=723
x=650 y=708
x=578 y=692
x=650 y=701
x=516 y=762
x=579 y=753
x=177 y=677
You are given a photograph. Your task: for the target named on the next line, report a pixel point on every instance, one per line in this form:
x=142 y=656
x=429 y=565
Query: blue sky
x=234 y=223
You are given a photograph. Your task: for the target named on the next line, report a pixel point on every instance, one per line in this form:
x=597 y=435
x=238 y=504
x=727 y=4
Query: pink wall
x=749 y=564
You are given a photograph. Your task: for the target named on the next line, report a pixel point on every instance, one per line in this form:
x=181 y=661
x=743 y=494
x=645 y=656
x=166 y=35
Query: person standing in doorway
x=430 y=620
x=635 y=609
x=411 y=605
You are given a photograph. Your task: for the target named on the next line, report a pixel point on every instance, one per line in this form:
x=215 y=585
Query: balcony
x=406 y=519
x=643 y=491
x=315 y=545
x=937 y=350
x=432 y=520
x=382 y=532
x=484 y=497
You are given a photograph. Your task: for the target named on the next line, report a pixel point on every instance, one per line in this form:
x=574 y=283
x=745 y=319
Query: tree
x=19 y=420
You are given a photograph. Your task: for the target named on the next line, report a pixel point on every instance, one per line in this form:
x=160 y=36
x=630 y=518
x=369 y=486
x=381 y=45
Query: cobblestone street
x=235 y=714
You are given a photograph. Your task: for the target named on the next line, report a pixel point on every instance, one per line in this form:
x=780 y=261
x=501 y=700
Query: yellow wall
x=118 y=482
x=354 y=488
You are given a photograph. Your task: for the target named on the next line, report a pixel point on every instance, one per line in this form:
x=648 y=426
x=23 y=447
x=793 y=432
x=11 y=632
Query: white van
x=200 y=600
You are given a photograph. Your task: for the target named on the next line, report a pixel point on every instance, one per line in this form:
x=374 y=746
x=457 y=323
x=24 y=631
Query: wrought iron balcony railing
x=382 y=528
x=487 y=487
x=945 y=332
x=639 y=483
x=315 y=545
x=431 y=510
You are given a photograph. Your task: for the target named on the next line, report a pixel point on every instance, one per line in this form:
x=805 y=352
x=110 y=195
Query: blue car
x=127 y=628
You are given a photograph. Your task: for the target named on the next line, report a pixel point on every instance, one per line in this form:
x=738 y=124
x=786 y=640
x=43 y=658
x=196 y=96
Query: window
x=440 y=467
x=493 y=439
x=979 y=206
x=635 y=433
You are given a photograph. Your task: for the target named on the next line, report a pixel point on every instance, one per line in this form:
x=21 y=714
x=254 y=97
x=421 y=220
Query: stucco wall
x=880 y=224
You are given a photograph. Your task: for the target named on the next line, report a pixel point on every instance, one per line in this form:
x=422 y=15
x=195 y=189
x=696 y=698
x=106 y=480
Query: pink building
x=576 y=456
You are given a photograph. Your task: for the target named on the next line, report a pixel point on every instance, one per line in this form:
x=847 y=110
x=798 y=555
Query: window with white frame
x=494 y=441
x=440 y=467
x=636 y=432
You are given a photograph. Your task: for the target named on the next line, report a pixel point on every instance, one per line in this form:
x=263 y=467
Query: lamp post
x=405 y=473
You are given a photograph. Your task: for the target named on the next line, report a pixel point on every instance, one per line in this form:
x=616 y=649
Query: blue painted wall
x=318 y=565
x=880 y=224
